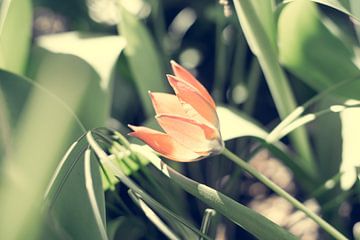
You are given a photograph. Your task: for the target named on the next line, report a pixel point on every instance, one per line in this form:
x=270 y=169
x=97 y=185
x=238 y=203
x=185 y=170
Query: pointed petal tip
x=169 y=76
x=172 y=78
x=150 y=94
x=132 y=127
x=173 y=63
x=176 y=66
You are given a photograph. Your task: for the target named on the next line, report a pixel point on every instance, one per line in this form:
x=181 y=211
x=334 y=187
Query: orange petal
x=165 y=103
x=164 y=144
x=185 y=75
x=188 y=94
x=196 y=136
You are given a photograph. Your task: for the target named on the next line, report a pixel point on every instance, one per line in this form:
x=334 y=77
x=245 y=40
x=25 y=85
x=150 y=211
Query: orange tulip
x=189 y=119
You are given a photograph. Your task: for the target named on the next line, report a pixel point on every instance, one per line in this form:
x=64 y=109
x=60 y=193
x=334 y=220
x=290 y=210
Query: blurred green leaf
x=44 y=124
x=328 y=147
x=309 y=50
x=65 y=85
x=15 y=34
x=129 y=228
x=265 y=13
x=142 y=56
x=343 y=6
x=246 y=218
x=99 y=51
x=328 y=144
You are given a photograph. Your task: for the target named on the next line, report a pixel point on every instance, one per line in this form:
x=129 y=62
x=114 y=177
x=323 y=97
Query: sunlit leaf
x=350 y=119
x=15 y=34
x=264 y=10
x=344 y=6
x=142 y=57
x=309 y=50
x=100 y=51
x=234 y=124
x=66 y=85
x=251 y=221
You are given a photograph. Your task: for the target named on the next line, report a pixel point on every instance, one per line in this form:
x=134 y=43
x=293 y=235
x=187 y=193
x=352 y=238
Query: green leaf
x=129 y=228
x=344 y=6
x=328 y=144
x=260 y=44
x=142 y=56
x=350 y=149
x=90 y=189
x=246 y=218
x=67 y=91
x=102 y=57
x=151 y=215
x=44 y=124
x=185 y=228
x=265 y=13
x=15 y=34
x=234 y=124
x=309 y=50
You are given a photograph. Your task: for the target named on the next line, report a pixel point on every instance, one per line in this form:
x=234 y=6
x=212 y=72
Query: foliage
x=285 y=75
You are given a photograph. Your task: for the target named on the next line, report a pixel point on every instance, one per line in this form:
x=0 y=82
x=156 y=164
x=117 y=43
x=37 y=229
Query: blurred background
x=95 y=60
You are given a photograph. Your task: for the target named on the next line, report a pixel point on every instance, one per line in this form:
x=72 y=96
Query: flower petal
x=164 y=144
x=165 y=103
x=188 y=94
x=196 y=136
x=185 y=75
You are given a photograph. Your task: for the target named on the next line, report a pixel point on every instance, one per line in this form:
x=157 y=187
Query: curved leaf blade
x=309 y=50
x=246 y=218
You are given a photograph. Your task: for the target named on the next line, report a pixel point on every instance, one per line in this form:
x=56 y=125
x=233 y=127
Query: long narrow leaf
x=251 y=221
x=153 y=217
x=92 y=195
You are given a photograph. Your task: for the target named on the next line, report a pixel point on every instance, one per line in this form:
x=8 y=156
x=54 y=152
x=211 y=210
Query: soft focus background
x=71 y=66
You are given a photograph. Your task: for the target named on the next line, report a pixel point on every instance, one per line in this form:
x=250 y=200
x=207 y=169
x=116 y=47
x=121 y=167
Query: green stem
x=220 y=65
x=266 y=181
x=253 y=82
x=265 y=50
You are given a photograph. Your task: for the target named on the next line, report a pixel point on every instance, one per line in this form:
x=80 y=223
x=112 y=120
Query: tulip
x=188 y=118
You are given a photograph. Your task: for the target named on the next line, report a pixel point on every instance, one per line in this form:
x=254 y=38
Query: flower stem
x=266 y=181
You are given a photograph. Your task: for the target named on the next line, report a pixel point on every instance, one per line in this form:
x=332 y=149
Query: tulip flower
x=188 y=118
